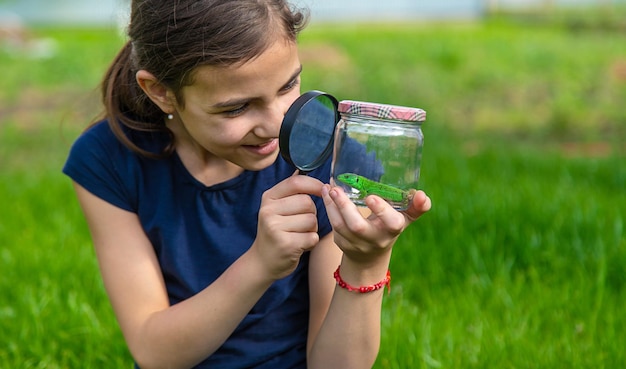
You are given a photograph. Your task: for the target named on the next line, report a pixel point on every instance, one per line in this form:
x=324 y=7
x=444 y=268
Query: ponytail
x=126 y=105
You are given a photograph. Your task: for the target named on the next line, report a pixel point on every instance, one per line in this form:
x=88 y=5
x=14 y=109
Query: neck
x=200 y=163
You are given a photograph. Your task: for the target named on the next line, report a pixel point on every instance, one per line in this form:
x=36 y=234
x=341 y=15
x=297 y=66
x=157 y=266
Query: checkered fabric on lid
x=382 y=111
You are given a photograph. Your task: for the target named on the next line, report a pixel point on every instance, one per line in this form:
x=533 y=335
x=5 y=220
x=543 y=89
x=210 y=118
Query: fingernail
x=333 y=193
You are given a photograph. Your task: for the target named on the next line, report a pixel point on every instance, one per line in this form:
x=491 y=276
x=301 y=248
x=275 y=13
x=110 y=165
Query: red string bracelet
x=364 y=289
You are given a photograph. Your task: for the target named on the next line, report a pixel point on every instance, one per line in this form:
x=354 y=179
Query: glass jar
x=378 y=151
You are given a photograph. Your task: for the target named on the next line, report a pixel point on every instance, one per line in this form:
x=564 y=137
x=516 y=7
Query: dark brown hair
x=171 y=38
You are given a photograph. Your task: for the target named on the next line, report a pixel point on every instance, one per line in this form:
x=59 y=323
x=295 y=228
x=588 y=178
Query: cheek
x=206 y=128
x=291 y=97
x=220 y=136
x=206 y=133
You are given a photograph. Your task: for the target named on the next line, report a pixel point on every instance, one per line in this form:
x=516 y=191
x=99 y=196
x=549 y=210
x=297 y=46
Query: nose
x=271 y=120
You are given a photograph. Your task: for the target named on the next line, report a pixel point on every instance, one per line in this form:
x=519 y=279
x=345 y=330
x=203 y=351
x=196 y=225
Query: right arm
x=182 y=335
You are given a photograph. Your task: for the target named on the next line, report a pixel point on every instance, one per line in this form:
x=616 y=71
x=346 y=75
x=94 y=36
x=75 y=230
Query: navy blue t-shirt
x=198 y=231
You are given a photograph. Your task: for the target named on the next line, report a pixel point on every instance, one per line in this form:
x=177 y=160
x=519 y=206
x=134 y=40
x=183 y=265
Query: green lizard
x=368 y=187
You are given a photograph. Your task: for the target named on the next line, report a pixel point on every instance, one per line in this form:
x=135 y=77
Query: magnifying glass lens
x=312 y=131
x=307 y=132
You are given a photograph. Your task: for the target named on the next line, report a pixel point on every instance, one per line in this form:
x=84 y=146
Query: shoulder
x=96 y=148
x=103 y=165
x=93 y=149
x=99 y=134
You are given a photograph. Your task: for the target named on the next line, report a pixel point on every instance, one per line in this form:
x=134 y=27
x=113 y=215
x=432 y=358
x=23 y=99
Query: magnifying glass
x=307 y=131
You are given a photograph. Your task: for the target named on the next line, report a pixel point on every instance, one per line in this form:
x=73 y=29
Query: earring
x=170 y=116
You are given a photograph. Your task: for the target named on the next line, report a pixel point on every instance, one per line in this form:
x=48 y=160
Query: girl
x=212 y=252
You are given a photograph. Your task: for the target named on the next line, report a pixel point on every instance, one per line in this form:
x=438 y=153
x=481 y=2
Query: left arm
x=344 y=328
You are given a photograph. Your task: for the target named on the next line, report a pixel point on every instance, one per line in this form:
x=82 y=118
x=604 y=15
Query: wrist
x=374 y=257
x=359 y=273
x=258 y=266
x=385 y=282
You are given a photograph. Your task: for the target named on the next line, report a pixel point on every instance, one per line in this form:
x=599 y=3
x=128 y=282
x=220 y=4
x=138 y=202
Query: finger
x=331 y=209
x=294 y=204
x=346 y=214
x=394 y=222
x=420 y=204
x=296 y=184
x=300 y=223
x=308 y=240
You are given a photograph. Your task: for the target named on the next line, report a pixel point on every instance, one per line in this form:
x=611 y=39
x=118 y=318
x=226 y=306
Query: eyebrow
x=240 y=101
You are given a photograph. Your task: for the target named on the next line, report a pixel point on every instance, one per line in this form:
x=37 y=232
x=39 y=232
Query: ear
x=156 y=91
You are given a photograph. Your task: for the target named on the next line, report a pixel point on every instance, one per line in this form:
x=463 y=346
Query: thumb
x=393 y=220
x=419 y=205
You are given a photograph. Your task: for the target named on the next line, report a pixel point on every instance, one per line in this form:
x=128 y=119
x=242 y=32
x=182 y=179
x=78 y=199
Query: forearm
x=188 y=332
x=350 y=334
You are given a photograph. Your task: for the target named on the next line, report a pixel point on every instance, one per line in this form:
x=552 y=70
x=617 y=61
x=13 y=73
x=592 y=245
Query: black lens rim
x=289 y=121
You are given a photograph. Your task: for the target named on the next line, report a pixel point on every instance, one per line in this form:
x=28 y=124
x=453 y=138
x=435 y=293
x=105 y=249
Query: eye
x=292 y=84
x=236 y=111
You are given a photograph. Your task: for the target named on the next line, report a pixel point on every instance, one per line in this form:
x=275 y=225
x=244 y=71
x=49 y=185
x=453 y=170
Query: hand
x=364 y=240
x=287 y=225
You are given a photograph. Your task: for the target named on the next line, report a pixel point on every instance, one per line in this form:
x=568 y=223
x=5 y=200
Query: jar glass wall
x=378 y=151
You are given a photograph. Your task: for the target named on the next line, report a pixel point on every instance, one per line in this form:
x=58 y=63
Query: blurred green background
x=520 y=264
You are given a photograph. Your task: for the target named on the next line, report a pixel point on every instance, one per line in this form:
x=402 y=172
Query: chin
x=258 y=165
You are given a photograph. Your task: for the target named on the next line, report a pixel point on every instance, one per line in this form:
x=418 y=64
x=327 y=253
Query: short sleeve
x=97 y=161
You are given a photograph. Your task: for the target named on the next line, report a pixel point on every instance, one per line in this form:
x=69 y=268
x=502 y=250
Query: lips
x=263 y=149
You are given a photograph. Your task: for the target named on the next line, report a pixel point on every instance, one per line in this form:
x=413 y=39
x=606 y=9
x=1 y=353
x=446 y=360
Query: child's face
x=234 y=113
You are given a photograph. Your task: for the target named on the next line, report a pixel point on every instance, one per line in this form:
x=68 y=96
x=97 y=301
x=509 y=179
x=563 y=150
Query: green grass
x=520 y=264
